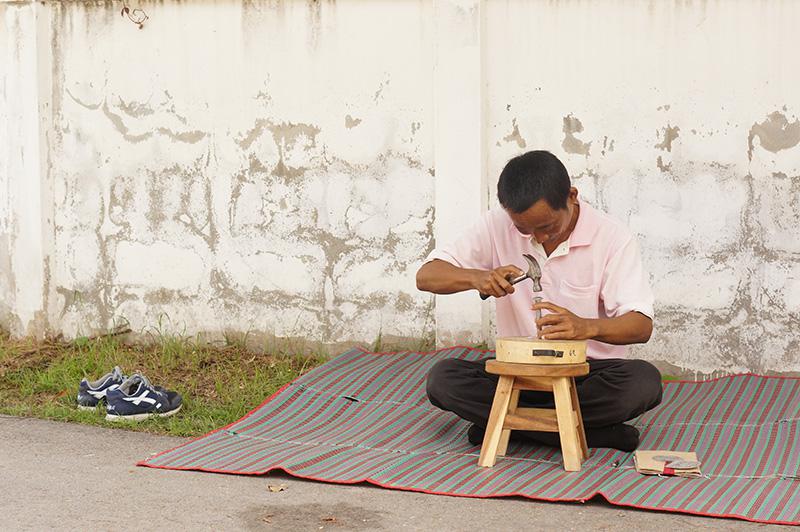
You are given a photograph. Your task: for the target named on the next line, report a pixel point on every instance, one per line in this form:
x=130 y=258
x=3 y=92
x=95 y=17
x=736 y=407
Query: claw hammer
x=534 y=273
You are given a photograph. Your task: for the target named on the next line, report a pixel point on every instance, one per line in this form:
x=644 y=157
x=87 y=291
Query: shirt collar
x=581 y=235
x=586 y=226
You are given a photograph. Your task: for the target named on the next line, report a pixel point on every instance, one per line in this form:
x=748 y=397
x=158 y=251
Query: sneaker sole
x=87 y=408
x=141 y=417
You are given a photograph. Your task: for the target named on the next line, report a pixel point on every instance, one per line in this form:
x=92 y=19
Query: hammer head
x=534 y=272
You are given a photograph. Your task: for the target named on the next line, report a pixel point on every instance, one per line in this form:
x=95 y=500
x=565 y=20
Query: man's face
x=546 y=225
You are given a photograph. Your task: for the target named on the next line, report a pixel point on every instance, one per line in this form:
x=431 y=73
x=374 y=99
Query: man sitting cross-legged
x=594 y=289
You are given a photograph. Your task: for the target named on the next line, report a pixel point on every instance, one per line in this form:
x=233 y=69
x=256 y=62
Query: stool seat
x=565 y=418
x=537 y=370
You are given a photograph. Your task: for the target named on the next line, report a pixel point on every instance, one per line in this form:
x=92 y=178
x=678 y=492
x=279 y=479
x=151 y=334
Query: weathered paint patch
x=571 y=143
x=608 y=146
x=774 y=134
x=514 y=136
x=350 y=122
x=668 y=134
x=134 y=110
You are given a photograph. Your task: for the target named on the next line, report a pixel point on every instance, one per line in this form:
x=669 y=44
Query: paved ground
x=66 y=476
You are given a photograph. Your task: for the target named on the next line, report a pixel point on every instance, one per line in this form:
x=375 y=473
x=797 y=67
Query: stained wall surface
x=235 y=166
x=283 y=167
x=681 y=119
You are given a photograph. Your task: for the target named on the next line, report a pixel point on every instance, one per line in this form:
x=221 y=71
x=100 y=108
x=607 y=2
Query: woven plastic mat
x=364 y=417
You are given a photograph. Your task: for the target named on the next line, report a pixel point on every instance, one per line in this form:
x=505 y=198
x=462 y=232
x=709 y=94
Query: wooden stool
x=565 y=419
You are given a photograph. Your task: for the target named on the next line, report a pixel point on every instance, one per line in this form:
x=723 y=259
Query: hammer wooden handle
x=512 y=281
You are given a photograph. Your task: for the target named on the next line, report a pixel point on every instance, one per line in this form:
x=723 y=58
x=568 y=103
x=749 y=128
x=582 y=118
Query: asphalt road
x=61 y=476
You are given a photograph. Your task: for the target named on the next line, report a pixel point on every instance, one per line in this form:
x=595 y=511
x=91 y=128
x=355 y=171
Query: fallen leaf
x=275 y=489
x=329 y=519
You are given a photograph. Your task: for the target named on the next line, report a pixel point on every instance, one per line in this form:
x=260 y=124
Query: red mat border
x=144 y=463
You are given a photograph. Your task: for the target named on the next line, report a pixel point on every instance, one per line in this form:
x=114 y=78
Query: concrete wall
x=230 y=166
x=283 y=167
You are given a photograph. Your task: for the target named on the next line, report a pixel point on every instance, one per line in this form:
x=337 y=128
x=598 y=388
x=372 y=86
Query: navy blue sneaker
x=90 y=394
x=136 y=399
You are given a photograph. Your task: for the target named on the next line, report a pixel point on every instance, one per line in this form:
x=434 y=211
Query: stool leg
x=502 y=447
x=576 y=405
x=494 y=428
x=567 y=424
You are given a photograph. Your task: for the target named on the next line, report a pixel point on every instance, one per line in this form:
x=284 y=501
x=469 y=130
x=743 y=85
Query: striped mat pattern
x=364 y=417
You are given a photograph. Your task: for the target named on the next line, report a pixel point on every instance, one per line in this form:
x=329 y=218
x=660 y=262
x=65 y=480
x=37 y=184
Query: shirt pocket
x=583 y=301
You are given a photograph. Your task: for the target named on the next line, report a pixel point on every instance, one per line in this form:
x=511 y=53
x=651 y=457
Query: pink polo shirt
x=596 y=273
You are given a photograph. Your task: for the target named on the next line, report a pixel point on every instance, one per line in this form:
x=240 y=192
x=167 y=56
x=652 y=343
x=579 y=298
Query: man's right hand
x=496 y=282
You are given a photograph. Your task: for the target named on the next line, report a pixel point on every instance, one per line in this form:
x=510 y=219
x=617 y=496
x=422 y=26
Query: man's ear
x=573 y=195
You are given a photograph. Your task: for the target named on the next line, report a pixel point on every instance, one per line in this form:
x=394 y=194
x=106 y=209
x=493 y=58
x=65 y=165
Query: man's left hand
x=561 y=324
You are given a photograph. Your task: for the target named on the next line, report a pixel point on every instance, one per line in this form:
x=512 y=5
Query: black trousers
x=614 y=391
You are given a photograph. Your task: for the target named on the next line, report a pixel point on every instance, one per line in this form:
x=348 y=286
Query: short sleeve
x=626 y=287
x=472 y=249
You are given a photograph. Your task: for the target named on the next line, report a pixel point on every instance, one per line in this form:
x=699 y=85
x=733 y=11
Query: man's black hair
x=530 y=177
